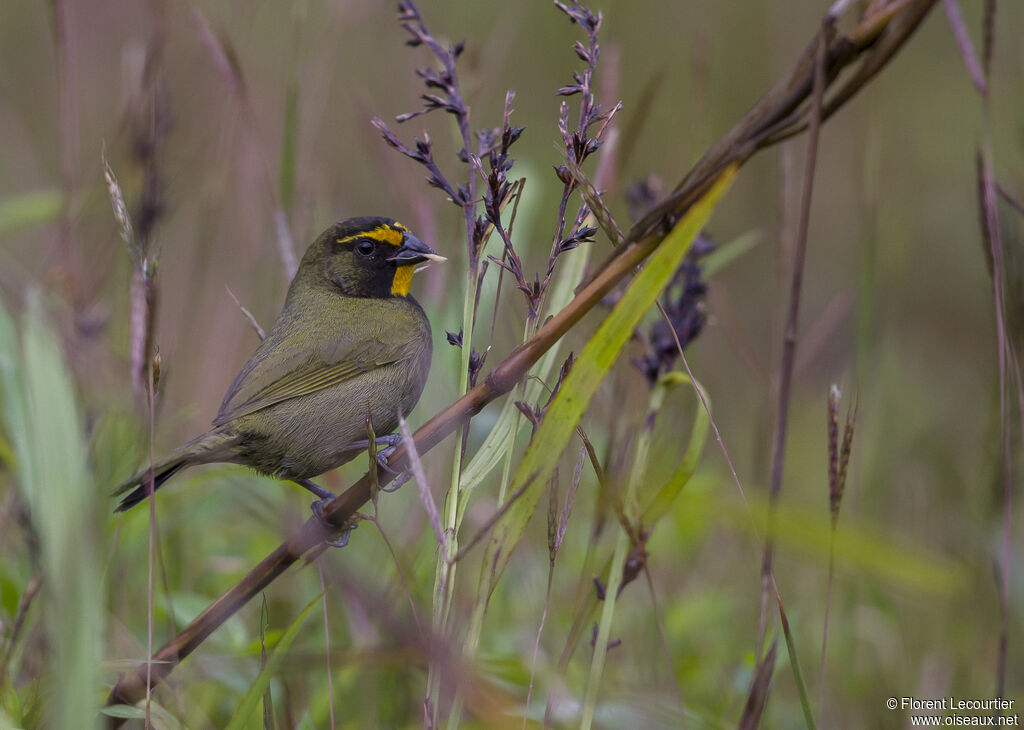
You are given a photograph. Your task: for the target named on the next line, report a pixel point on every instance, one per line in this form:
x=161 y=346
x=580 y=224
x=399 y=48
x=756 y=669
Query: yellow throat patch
x=403 y=280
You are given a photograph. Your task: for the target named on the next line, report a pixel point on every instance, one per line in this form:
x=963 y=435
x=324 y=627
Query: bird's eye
x=365 y=248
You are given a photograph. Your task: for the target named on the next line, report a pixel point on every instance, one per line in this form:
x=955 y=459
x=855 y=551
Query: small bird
x=351 y=343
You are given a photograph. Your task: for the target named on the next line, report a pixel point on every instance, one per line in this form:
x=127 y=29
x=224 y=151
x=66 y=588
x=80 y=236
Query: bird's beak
x=414 y=251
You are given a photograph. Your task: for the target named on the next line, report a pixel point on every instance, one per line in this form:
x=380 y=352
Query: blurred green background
x=897 y=309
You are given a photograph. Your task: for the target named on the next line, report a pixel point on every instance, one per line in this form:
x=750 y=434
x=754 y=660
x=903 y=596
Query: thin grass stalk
x=963 y=39
x=151 y=545
x=823 y=680
x=794 y=663
x=833 y=468
x=838 y=461
x=584 y=592
x=760 y=685
x=992 y=239
x=225 y=60
x=327 y=642
x=792 y=318
x=21 y=614
x=622 y=544
x=399 y=570
x=290 y=121
x=257 y=690
x=699 y=390
x=268 y=700
x=65 y=42
x=557 y=525
x=994 y=247
x=506 y=466
x=536 y=644
x=663 y=635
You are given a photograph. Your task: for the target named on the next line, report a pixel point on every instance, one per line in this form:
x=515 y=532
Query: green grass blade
x=64 y=510
x=254 y=697
x=29 y=209
x=12 y=400
x=595 y=361
x=660 y=502
x=160 y=716
x=725 y=254
x=877 y=556
x=794 y=662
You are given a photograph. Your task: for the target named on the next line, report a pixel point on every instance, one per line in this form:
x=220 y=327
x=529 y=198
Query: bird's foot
x=401 y=477
x=318 y=511
x=396 y=483
x=325 y=495
x=389 y=442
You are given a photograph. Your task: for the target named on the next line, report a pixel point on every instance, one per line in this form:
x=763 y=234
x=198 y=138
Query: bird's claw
x=400 y=479
x=382 y=459
x=341 y=540
x=390 y=442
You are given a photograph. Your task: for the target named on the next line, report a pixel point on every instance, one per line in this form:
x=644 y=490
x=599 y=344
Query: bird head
x=366 y=257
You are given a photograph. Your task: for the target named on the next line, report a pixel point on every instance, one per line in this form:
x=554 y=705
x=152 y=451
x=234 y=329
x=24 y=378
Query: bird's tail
x=211 y=446
x=138 y=486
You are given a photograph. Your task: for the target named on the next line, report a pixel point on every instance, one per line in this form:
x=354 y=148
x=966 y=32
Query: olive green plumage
x=349 y=343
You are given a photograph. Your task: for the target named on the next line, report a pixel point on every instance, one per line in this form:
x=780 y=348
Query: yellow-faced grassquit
x=350 y=343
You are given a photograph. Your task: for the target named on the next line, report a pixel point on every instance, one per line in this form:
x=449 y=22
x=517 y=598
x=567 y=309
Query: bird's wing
x=293 y=377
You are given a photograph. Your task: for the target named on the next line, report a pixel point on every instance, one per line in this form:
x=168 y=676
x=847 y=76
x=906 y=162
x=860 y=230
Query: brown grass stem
x=248 y=315
x=226 y=61
x=792 y=319
x=963 y=40
x=992 y=240
x=24 y=604
x=1006 y=356
x=65 y=42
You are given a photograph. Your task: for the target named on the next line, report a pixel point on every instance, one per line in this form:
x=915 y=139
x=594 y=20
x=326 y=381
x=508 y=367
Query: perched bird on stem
x=350 y=344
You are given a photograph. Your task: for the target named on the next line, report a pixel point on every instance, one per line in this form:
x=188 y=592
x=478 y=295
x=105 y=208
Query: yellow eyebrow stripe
x=384 y=234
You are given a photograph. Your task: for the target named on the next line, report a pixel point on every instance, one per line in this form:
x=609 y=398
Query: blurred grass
x=894 y=227
x=255 y=693
x=56 y=483
x=29 y=209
